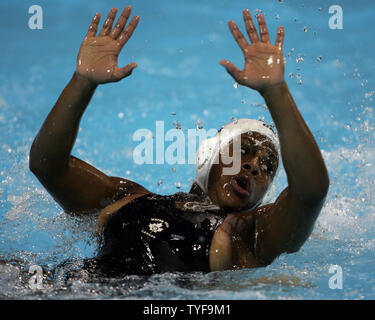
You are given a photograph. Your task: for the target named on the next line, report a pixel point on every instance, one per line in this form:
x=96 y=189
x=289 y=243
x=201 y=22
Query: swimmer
x=223 y=222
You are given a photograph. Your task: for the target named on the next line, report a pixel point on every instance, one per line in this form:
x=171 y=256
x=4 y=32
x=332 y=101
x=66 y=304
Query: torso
x=155 y=233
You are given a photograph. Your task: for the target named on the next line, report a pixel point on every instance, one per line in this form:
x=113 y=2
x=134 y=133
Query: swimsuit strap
x=106 y=212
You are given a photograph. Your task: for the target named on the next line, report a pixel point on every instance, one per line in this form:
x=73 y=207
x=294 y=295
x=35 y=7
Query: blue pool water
x=177 y=46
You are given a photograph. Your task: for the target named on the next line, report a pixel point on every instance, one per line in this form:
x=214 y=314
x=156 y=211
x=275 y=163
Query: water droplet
x=160 y=182
x=291 y=75
x=299 y=82
x=299 y=59
x=258 y=12
x=320 y=58
x=235 y=85
x=369 y=94
x=177 y=185
x=173 y=113
x=177 y=125
x=199 y=124
x=120 y=115
x=305 y=29
x=173 y=169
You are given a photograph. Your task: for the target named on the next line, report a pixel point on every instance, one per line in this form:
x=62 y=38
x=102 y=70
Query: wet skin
x=259 y=162
x=246 y=238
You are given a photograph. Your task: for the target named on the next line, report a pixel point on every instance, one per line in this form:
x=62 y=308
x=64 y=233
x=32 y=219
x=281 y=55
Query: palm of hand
x=264 y=64
x=98 y=56
x=97 y=59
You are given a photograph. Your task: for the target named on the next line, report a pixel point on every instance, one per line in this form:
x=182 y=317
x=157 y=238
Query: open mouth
x=241 y=185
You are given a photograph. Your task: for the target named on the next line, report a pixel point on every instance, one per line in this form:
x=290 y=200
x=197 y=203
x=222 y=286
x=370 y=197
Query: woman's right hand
x=97 y=57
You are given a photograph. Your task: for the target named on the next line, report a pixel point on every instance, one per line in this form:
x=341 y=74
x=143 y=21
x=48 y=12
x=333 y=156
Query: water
x=178 y=46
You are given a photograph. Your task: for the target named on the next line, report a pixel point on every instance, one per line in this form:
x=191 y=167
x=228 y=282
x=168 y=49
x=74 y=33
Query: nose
x=251 y=166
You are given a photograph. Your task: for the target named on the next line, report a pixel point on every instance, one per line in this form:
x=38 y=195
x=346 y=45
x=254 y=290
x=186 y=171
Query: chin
x=234 y=203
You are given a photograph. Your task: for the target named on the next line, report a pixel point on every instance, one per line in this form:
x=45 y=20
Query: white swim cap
x=209 y=149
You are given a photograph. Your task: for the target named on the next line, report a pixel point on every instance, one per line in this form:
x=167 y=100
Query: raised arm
x=74 y=184
x=285 y=225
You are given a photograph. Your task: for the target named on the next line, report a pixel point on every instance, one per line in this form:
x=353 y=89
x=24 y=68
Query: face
x=259 y=161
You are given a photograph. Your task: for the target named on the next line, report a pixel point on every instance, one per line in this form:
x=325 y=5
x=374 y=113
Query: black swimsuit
x=151 y=235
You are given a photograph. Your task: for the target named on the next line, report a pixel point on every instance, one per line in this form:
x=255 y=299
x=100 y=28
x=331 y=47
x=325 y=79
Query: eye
x=270 y=169
x=267 y=164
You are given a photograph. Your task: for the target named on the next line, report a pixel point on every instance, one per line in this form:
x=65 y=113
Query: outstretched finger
x=125 y=71
x=121 y=22
x=127 y=33
x=250 y=26
x=93 y=29
x=231 y=68
x=263 y=30
x=238 y=36
x=107 y=26
x=280 y=38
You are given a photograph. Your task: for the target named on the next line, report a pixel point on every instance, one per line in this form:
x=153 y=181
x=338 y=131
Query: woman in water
x=221 y=224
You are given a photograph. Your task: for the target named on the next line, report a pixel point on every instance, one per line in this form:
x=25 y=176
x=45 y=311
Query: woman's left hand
x=264 y=62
